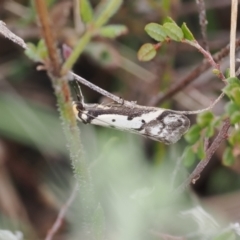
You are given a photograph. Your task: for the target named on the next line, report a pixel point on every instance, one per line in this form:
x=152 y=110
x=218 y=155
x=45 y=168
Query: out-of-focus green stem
x=70 y=129
x=64 y=101
x=76 y=52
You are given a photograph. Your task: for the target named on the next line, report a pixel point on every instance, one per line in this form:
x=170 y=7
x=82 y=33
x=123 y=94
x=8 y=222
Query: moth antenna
x=78 y=92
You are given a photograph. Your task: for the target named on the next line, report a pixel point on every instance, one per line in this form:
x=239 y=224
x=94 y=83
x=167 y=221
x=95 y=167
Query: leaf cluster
x=163 y=33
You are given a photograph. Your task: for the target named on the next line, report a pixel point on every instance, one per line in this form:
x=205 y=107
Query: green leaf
x=201 y=151
x=234 y=138
x=112 y=31
x=236 y=95
x=228 y=158
x=205 y=119
x=231 y=108
x=156 y=31
x=147 y=52
x=228 y=90
x=210 y=130
x=31 y=52
x=86 y=11
x=173 y=31
x=189 y=157
x=105 y=10
x=187 y=33
x=193 y=134
x=227 y=73
x=37 y=53
x=235 y=118
x=169 y=20
x=233 y=81
x=42 y=50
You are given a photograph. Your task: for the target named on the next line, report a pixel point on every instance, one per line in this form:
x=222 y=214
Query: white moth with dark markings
x=159 y=124
x=156 y=123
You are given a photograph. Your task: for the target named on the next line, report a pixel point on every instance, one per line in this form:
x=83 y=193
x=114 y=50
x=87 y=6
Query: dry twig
x=209 y=153
x=61 y=215
x=10 y=35
x=203 y=22
x=181 y=84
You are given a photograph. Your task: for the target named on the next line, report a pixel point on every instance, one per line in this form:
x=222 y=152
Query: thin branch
x=181 y=84
x=203 y=22
x=10 y=35
x=101 y=91
x=210 y=107
x=209 y=57
x=57 y=224
x=195 y=175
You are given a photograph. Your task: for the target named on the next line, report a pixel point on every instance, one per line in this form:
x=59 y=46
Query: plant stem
x=76 y=52
x=71 y=131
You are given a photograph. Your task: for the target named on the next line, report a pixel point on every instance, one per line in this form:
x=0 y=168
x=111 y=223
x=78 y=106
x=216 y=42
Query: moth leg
x=123 y=101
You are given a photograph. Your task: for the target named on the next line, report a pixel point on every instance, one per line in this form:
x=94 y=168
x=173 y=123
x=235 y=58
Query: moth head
x=77 y=109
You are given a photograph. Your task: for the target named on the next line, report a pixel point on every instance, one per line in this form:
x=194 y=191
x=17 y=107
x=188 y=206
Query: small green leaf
x=189 y=157
x=147 y=52
x=187 y=33
x=232 y=90
x=193 y=134
x=235 y=118
x=231 y=108
x=234 y=138
x=86 y=11
x=236 y=95
x=201 y=151
x=42 y=50
x=31 y=52
x=233 y=81
x=228 y=158
x=210 y=130
x=228 y=90
x=173 y=31
x=205 y=119
x=105 y=10
x=227 y=73
x=169 y=20
x=112 y=31
x=156 y=31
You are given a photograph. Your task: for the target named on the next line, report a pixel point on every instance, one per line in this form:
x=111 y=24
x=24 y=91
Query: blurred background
x=133 y=177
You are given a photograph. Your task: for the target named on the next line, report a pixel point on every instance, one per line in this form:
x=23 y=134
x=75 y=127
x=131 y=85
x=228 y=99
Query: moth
x=158 y=124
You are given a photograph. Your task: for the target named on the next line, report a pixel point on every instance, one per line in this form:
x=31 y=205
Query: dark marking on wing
x=95 y=110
